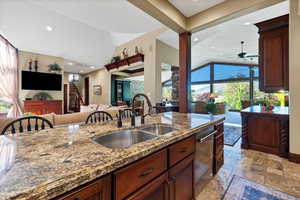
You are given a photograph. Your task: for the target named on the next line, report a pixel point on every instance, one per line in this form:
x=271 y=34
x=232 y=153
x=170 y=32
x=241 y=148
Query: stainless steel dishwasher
x=203 y=170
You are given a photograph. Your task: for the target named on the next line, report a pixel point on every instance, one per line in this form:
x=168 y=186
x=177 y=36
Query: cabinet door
x=98 y=190
x=156 y=190
x=273 y=60
x=182 y=180
x=264 y=134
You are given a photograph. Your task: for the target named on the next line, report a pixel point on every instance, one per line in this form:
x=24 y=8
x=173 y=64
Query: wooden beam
x=164 y=12
x=184 y=72
x=226 y=11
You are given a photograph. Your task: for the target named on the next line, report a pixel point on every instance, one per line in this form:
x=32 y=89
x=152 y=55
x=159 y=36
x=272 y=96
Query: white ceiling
x=83 y=31
x=191 y=7
x=222 y=42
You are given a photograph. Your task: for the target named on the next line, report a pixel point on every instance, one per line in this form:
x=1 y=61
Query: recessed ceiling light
x=49 y=28
x=247 y=23
x=92 y=67
x=196 y=39
x=70 y=63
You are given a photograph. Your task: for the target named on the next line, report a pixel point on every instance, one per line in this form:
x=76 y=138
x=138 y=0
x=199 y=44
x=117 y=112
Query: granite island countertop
x=52 y=162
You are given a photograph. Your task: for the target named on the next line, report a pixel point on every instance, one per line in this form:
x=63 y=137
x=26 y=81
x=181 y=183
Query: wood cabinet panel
x=273 y=51
x=156 y=190
x=182 y=180
x=98 y=190
x=129 y=179
x=218 y=159
x=181 y=150
x=263 y=131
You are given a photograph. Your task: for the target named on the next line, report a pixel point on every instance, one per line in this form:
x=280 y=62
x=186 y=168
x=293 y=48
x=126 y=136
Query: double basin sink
x=127 y=138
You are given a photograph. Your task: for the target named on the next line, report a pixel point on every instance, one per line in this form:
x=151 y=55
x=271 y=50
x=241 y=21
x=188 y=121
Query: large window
x=231 y=82
x=4 y=107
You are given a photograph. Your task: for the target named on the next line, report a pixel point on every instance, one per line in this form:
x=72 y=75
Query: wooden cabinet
x=156 y=190
x=267 y=132
x=140 y=173
x=98 y=190
x=218 y=159
x=43 y=107
x=181 y=150
x=274 y=54
x=181 y=178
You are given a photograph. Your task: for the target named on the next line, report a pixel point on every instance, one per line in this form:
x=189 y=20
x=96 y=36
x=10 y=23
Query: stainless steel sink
x=159 y=129
x=122 y=139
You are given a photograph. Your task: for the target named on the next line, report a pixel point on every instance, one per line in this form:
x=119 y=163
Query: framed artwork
x=97 y=90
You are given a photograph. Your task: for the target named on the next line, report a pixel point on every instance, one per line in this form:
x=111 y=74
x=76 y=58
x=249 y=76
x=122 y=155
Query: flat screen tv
x=41 y=81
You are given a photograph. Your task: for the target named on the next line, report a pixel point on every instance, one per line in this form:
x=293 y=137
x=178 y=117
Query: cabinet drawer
x=219 y=128
x=100 y=189
x=130 y=178
x=219 y=143
x=181 y=150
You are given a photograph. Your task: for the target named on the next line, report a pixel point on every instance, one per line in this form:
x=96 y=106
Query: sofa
x=61 y=120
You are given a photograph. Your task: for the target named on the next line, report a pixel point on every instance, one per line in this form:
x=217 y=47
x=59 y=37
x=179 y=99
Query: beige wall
x=43 y=62
x=294 y=71
x=147 y=45
x=168 y=55
x=101 y=77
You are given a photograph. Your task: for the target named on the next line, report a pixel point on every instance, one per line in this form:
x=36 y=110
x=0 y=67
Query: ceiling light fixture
x=247 y=23
x=70 y=63
x=92 y=67
x=49 y=28
x=196 y=39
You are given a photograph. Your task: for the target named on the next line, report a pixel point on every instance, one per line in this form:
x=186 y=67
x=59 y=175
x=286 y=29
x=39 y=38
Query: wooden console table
x=43 y=107
x=266 y=131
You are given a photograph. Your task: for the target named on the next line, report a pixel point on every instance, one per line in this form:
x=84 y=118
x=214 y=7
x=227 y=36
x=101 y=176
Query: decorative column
x=184 y=72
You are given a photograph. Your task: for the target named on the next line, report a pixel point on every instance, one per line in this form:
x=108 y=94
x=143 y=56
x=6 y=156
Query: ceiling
x=85 y=32
x=222 y=42
x=192 y=7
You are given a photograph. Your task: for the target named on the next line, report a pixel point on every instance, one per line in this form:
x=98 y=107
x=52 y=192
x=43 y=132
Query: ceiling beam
x=226 y=11
x=164 y=12
x=169 y=15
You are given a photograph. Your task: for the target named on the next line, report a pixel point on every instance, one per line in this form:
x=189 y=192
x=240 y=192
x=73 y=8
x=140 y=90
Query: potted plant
x=54 y=68
x=211 y=106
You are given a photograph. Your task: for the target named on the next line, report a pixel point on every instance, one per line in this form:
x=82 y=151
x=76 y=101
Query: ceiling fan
x=244 y=54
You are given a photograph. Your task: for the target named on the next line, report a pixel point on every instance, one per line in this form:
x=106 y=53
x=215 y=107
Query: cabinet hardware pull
x=147 y=172
x=183 y=150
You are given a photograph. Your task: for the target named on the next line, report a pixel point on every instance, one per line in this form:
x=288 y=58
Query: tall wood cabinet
x=274 y=54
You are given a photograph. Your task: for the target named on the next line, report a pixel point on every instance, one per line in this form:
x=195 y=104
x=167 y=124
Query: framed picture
x=97 y=90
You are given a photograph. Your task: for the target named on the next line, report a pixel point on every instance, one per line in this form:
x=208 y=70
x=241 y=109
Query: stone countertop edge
x=74 y=178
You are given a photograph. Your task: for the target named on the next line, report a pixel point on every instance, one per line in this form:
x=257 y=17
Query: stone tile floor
x=262 y=168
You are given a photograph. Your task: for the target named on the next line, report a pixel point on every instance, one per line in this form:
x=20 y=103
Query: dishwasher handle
x=206 y=137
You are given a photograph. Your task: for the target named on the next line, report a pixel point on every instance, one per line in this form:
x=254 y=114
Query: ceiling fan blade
x=252 y=56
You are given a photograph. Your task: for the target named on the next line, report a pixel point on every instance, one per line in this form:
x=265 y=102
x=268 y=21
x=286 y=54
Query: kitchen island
x=55 y=164
x=266 y=131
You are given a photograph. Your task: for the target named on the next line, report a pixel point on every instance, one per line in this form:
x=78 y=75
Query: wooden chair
x=26 y=124
x=126 y=113
x=98 y=116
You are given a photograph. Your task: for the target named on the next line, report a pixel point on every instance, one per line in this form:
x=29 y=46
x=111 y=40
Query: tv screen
x=41 y=81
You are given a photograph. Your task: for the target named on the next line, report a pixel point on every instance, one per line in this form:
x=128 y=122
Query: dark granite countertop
x=48 y=164
x=260 y=110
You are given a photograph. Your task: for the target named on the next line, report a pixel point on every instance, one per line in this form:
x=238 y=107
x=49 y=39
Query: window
x=4 y=107
x=232 y=93
x=224 y=72
x=167 y=92
x=198 y=90
x=201 y=74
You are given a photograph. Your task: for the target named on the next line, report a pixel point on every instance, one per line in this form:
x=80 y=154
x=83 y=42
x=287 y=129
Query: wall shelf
x=126 y=61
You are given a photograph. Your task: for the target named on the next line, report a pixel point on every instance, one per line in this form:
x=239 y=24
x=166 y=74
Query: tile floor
x=266 y=169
